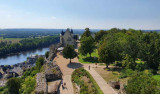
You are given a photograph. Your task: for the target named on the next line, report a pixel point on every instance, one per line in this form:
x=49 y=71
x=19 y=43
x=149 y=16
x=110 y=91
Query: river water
x=22 y=56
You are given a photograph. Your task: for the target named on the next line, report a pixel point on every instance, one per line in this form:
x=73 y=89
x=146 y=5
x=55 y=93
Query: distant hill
x=25 y=33
x=56 y=31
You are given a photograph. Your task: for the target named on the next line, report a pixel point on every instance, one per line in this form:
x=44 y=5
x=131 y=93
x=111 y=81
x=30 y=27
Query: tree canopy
x=116 y=44
x=13 y=85
x=87 y=43
x=87 y=33
x=142 y=83
x=69 y=52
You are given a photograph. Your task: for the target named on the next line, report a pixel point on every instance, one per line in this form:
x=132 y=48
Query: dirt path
x=67 y=70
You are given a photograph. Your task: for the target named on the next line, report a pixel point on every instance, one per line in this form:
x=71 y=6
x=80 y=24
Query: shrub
x=126 y=73
x=28 y=85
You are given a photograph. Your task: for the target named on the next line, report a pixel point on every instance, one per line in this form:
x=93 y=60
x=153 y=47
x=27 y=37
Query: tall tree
x=87 y=33
x=87 y=46
x=69 y=52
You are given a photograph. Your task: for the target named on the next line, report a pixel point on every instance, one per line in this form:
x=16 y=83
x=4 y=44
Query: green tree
x=128 y=62
x=47 y=54
x=99 y=35
x=87 y=46
x=150 y=49
x=69 y=52
x=28 y=85
x=142 y=83
x=39 y=63
x=87 y=33
x=13 y=85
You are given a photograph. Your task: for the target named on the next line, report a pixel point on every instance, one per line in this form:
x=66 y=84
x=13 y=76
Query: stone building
x=68 y=38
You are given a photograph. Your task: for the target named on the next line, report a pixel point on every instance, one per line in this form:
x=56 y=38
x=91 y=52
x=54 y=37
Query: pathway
x=100 y=81
x=67 y=70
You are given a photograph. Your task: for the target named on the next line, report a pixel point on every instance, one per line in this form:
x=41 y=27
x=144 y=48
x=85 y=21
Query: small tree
x=13 y=85
x=69 y=52
x=47 y=54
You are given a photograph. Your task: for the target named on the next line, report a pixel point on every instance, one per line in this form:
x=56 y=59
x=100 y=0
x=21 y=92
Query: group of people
x=63 y=85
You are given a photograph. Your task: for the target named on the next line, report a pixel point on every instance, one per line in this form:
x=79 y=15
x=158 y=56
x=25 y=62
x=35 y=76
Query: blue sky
x=78 y=14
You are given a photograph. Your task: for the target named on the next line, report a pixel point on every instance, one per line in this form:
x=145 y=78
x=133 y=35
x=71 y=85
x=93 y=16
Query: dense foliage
x=28 y=85
x=69 y=52
x=87 y=43
x=26 y=44
x=13 y=85
x=142 y=83
x=39 y=63
x=128 y=45
x=86 y=88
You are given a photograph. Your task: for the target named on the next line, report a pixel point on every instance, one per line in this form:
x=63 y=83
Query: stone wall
x=41 y=84
x=52 y=71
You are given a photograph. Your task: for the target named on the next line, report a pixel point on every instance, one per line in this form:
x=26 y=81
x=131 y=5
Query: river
x=22 y=56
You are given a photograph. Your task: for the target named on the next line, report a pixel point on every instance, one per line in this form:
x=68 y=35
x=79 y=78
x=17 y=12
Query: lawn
x=14 y=40
x=157 y=77
x=87 y=59
x=109 y=75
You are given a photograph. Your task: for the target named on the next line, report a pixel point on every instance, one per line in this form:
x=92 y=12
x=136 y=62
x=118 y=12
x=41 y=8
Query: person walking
x=89 y=67
x=62 y=84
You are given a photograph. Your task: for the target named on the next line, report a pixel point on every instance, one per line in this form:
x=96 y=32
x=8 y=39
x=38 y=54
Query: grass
x=111 y=75
x=13 y=40
x=157 y=77
x=87 y=59
x=83 y=78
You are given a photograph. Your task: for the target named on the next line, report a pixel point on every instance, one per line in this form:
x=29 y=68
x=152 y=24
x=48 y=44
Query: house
x=68 y=38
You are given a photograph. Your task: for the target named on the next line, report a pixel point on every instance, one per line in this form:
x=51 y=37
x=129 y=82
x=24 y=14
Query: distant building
x=68 y=38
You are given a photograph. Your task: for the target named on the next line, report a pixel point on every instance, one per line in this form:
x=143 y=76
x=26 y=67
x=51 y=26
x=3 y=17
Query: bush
x=126 y=73
x=28 y=85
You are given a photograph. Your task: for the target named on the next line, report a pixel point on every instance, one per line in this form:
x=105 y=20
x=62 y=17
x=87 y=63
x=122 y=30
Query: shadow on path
x=74 y=65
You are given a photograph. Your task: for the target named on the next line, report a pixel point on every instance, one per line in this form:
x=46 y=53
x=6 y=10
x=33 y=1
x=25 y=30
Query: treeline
x=126 y=46
x=28 y=33
x=26 y=44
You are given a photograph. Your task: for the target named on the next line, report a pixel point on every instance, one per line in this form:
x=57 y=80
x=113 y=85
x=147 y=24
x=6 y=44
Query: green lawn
x=157 y=77
x=87 y=59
